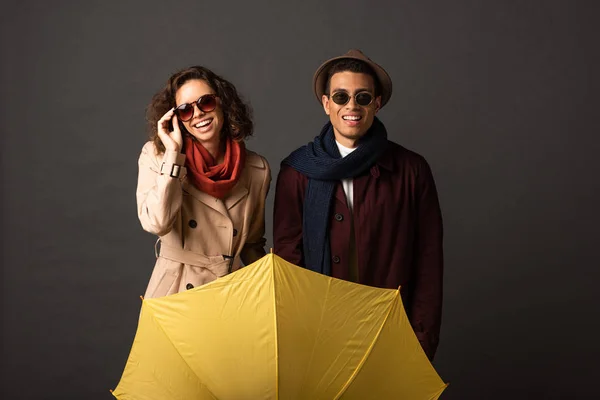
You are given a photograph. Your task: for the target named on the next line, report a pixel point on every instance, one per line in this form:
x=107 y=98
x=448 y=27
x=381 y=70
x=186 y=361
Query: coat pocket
x=164 y=280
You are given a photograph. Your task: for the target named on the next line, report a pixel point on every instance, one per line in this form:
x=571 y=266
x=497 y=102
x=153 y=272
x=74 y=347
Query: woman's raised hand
x=172 y=140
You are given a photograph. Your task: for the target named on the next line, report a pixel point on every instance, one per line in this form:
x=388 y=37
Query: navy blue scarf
x=322 y=163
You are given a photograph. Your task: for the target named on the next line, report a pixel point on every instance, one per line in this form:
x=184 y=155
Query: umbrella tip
x=142 y=297
x=110 y=390
x=271 y=250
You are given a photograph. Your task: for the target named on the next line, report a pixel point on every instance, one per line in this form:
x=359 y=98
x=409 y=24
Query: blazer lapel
x=339 y=193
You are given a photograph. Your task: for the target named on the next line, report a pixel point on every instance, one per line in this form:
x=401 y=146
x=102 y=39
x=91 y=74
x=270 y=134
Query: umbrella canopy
x=273 y=330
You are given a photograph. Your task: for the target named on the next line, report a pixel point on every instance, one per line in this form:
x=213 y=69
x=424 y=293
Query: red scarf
x=215 y=179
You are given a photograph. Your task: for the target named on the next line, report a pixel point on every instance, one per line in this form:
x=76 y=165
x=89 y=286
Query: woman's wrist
x=172 y=164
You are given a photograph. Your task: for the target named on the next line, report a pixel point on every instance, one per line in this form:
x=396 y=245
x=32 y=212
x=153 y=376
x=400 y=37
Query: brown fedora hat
x=320 y=77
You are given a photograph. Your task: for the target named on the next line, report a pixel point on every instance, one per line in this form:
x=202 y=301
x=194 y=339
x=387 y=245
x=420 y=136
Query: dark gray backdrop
x=500 y=96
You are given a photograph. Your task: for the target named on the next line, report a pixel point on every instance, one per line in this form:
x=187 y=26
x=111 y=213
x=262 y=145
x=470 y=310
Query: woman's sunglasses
x=206 y=103
x=361 y=98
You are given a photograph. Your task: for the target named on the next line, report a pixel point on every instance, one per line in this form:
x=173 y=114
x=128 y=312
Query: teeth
x=351 y=117
x=203 y=123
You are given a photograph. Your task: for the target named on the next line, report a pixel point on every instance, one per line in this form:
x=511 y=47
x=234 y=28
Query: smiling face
x=351 y=121
x=204 y=126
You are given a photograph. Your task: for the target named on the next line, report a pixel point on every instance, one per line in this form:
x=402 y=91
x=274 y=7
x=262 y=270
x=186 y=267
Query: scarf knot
x=209 y=177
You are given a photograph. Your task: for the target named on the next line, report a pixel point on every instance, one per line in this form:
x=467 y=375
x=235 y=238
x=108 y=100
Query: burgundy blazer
x=397 y=228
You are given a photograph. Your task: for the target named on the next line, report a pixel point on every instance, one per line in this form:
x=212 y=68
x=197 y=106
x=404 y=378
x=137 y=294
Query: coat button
x=235 y=232
x=339 y=217
x=192 y=223
x=336 y=259
x=189 y=286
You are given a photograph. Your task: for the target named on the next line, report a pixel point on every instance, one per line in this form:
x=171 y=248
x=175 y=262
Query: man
x=353 y=205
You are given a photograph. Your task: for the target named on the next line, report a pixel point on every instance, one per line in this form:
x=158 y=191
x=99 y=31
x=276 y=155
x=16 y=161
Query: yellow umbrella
x=273 y=330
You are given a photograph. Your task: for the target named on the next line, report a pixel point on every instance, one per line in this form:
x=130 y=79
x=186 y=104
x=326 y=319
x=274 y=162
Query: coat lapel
x=237 y=194
x=240 y=191
x=339 y=193
x=210 y=201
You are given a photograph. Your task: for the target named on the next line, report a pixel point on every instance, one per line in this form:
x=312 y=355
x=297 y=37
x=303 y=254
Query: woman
x=198 y=188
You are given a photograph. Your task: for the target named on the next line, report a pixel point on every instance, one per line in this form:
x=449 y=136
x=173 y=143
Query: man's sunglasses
x=206 y=103
x=361 y=98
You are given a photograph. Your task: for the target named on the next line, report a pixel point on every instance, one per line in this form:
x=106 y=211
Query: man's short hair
x=352 y=65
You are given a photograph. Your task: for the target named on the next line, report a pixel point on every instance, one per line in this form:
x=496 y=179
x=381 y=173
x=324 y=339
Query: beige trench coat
x=201 y=238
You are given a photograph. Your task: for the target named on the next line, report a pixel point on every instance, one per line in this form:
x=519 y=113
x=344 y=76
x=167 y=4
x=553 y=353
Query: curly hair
x=237 y=115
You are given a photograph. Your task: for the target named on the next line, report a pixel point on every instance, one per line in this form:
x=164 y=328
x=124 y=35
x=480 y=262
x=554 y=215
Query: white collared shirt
x=347 y=183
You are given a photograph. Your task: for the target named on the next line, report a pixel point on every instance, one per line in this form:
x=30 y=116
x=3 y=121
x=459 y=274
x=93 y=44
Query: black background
x=501 y=97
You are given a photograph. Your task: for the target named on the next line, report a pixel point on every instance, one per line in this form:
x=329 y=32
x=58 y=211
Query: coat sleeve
x=287 y=215
x=158 y=196
x=254 y=248
x=426 y=302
